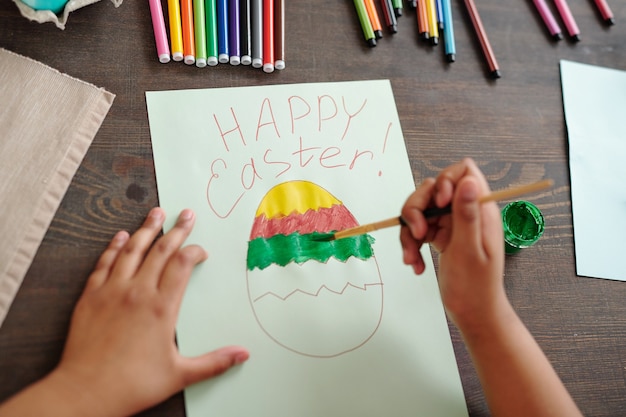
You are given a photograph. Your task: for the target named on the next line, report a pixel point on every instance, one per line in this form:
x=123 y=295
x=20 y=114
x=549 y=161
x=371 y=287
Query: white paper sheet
x=360 y=338
x=595 y=109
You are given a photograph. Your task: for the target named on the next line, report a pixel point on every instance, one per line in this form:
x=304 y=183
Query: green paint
x=284 y=249
x=523 y=225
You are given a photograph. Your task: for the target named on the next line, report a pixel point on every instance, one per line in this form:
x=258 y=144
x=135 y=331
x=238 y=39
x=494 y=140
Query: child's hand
x=470 y=241
x=120 y=350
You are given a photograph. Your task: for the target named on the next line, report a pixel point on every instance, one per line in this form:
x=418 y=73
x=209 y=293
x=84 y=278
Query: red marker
x=268 y=35
x=279 y=35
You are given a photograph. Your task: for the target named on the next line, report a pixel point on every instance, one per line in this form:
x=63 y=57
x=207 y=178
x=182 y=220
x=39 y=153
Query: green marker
x=366 y=25
x=199 y=26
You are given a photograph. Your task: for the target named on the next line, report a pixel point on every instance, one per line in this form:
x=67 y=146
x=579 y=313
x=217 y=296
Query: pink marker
x=160 y=35
x=568 y=19
x=548 y=19
x=605 y=11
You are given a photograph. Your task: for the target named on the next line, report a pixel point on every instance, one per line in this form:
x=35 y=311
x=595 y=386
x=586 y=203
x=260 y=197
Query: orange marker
x=374 y=20
x=189 y=44
x=422 y=19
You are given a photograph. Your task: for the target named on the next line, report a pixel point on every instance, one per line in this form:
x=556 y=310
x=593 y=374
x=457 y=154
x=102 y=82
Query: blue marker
x=223 y=51
x=439 y=7
x=448 y=31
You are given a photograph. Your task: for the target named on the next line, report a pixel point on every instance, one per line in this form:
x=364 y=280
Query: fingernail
x=469 y=192
x=120 y=237
x=186 y=214
x=241 y=357
x=156 y=214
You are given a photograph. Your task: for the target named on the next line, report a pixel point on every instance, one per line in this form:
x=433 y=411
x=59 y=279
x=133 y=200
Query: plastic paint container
x=55 y=6
x=523 y=225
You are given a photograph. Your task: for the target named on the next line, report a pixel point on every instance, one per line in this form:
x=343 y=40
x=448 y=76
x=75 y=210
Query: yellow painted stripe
x=298 y=196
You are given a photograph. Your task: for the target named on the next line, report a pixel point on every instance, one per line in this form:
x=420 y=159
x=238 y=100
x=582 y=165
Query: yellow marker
x=176 y=33
x=431 y=10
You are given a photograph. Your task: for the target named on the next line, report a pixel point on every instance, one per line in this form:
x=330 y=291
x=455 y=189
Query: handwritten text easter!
x=297 y=133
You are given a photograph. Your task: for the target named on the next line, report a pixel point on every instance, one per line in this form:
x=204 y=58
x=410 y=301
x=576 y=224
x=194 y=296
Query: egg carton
x=59 y=19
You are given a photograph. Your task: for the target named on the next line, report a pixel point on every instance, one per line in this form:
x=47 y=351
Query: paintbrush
x=434 y=211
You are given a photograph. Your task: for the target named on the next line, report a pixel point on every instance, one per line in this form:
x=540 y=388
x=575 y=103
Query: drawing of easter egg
x=314 y=297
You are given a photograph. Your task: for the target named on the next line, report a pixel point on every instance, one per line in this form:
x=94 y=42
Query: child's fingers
x=106 y=261
x=159 y=255
x=211 y=364
x=411 y=254
x=133 y=252
x=449 y=177
x=412 y=211
x=466 y=216
x=176 y=273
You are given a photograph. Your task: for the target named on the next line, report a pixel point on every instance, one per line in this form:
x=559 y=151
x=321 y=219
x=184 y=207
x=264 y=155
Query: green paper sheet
x=360 y=337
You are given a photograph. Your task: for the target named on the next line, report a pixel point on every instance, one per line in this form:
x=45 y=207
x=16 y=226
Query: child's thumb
x=466 y=227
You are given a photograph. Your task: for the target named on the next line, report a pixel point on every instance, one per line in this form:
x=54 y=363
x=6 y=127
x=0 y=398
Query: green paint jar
x=523 y=225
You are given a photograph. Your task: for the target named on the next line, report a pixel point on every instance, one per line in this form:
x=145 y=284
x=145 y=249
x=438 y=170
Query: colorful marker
x=568 y=19
x=210 y=9
x=279 y=34
x=176 y=32
x=433 y=28
x=397 y=7
x=189 y=44
x=374 y=19
x=268 y=35
x=439 y=7
x=548 y=19
x=199 y=25
x=366 y=25
x=494 y=69
x=245 y=32
x=448 y=31
x=233 y=32
x=390 y=16
x=605 y=11
x=223 y=51
x=422 y=19
x=256 y=23
x=160 y=35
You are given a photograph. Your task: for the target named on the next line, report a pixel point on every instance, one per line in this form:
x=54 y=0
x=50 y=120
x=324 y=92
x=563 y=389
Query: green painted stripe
x=284 y=249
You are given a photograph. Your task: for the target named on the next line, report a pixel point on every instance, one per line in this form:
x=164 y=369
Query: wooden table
x=514 y=128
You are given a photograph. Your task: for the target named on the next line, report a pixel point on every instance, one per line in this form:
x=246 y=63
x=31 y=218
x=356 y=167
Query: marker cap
x=257 y=62
x=177 y=56
x=279 y=65
x=201 y=62
x=212 y=61
x=246 y=60
x=235 y=60
x=164 y=58
x=223 y=58
x=190 y=59
x=268 y=68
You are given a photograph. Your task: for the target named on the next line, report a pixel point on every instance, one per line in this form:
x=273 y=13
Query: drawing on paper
x=315 y=298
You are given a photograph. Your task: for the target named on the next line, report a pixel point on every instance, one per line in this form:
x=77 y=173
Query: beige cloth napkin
x=47 y=122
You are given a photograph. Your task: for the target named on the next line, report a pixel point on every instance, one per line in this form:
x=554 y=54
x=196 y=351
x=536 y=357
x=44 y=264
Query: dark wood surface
x=514 y=127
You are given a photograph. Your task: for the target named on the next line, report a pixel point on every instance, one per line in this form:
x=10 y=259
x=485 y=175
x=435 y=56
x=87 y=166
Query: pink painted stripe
x=324 y=220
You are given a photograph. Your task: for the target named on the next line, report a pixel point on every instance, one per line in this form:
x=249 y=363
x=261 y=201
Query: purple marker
x=233 y=32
